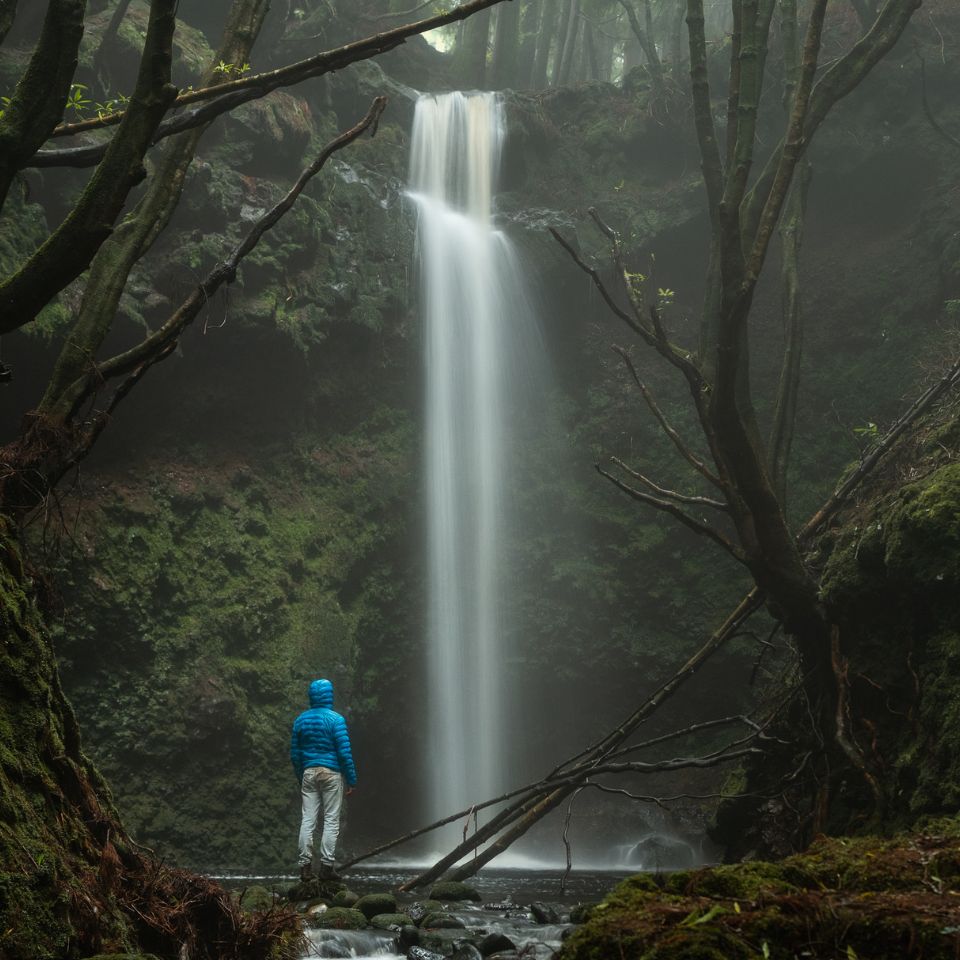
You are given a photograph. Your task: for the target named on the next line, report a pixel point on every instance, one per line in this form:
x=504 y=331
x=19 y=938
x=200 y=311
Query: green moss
x=453 y=890
x=340 y=918
x=864 y=897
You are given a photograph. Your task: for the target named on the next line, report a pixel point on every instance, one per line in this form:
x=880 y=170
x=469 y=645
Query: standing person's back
x=322 y=759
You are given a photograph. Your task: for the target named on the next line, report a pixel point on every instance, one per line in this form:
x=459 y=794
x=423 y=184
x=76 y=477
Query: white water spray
x=475 y=316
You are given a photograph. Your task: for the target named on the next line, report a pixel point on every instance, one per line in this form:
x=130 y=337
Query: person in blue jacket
x=322 y=761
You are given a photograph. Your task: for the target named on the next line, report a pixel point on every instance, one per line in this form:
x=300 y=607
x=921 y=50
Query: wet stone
x=495 y=943
x=465 y=950
x=546 y=913
x=422 y=953
x=442 y=921
x=421 y=909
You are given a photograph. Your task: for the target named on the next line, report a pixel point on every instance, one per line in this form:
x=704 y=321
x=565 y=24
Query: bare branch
x=666 y=506
x=691 y=501
x=668 y=429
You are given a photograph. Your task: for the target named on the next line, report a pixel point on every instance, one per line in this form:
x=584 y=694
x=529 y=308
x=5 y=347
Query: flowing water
x=477 y=321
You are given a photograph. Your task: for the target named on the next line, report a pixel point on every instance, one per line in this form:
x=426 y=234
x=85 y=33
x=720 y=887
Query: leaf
x=693 y=920
x=765 y=950
x=851 y=953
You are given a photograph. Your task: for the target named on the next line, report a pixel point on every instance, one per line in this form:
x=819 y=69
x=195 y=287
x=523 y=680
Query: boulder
x=465 y=950
x=344 y=898
x=374 y=903
x=495 y=943
x=390 y=921
x=545 y=912
x=453 y=890
x=255 y=898
x=409 y=937
x=423 y=908
x=339 y=918
x=422 y=953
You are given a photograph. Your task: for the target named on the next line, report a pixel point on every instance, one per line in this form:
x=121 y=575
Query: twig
x=667 y=427
x=666 y=506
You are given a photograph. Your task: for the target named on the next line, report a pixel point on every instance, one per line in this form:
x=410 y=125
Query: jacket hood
x=321 y=693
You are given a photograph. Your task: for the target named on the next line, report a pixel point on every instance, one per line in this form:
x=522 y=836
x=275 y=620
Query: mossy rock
x=255 y=898
x=344 y=898
x=743 y=881
x=387 y=921
x=374 y=904
x=340 y=918
x=581 y=912
x=454 y=891
x=864 y=896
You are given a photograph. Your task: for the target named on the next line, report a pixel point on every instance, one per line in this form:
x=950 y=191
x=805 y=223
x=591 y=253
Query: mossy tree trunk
x=61 y=844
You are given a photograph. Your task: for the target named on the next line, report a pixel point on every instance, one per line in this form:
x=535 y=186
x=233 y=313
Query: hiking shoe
x=306 y=873
x=328 y=872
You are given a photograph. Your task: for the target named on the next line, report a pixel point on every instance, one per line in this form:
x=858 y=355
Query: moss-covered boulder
x=449 y=891
x=389 y=921
x=255 y=898
x=340 y=918
x=344 y=897
x=860 y=897
x=376 y=903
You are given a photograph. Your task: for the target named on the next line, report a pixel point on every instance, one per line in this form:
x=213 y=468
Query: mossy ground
x=843 y=898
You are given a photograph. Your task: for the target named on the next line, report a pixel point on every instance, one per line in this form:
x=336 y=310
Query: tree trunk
x=472 y=56
x=505 y=46
x=545 y=38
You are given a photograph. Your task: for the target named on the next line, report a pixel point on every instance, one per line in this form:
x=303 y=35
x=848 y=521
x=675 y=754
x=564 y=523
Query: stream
x=505 y=909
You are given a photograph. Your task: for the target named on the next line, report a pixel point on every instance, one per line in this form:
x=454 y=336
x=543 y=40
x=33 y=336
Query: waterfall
x=475 y=318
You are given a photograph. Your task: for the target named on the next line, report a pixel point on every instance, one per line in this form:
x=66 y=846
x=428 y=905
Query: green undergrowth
x=200 y=602
x=844 y=898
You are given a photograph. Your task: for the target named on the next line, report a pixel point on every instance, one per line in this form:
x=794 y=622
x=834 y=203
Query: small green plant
x=665 y=296
x=226 y=69
x=76 y=99
x=869 y=431
x=4 y=103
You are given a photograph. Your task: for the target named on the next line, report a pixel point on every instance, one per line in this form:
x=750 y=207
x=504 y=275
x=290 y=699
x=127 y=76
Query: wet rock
x=340 y=918
x=375 y=903
x=409 y=937
x=417 y=911
x=545 y=913
x=422 y=953
x=442 y=921
x=502 y=906
x=495 y=943
x=465 y=950
x=390 y=921
x=453 y=891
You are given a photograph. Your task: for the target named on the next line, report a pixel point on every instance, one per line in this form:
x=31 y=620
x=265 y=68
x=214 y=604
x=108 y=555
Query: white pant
x=320 y=787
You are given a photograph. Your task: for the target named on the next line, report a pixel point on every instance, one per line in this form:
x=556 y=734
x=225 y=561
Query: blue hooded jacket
x=319 y=737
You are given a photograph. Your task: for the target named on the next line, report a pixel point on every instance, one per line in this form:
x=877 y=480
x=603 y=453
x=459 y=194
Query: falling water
x=475 y=315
